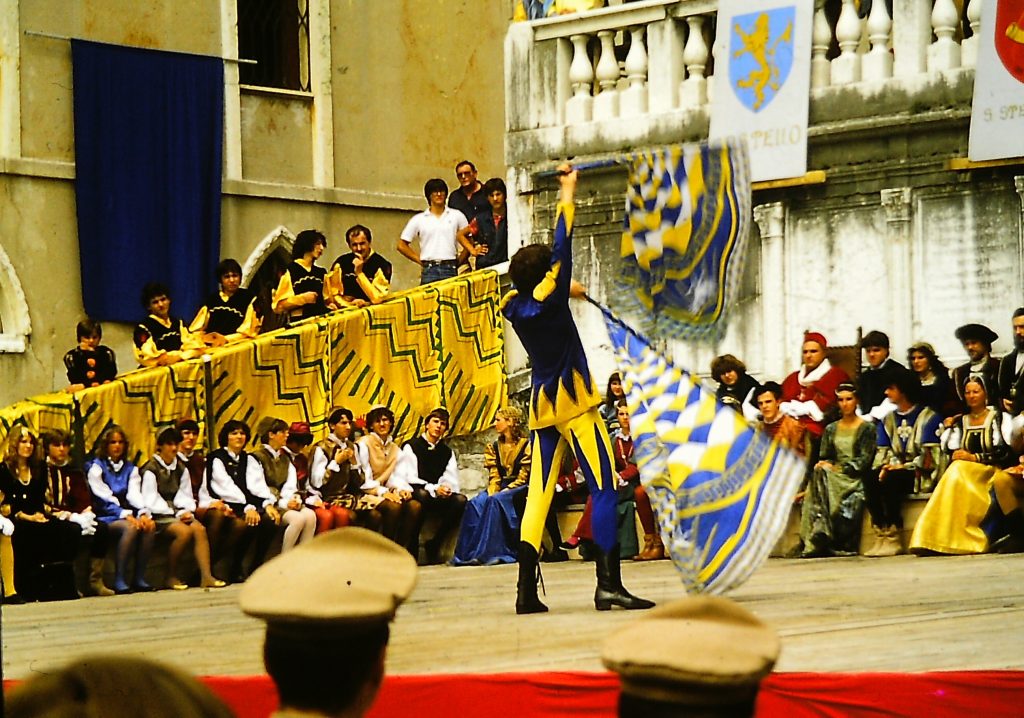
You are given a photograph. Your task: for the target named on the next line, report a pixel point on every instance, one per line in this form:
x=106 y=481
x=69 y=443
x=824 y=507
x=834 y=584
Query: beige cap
x=703 y=650
x=342 y=579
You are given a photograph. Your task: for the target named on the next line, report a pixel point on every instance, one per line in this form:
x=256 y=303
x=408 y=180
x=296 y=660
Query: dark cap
x=976 y=332
x=299 y=431
x=875 y=339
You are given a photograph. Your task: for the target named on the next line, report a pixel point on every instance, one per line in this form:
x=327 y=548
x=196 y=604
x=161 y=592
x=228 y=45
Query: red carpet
x=992 y=694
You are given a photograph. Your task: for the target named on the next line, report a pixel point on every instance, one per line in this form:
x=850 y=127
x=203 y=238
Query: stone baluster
x=911 y=35
x=821 y=37
x=771 y=221
x=944 y=53
x=969 y=47
x=896 y=204
x=878 y=61
x=580 y=107
x=846 y=67
x=634 y=98
x=694 y=90
x=606 y=102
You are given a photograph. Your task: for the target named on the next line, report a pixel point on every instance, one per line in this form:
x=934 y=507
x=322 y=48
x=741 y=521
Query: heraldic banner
x=997 y=113
x=438 y=345
x=763 y=51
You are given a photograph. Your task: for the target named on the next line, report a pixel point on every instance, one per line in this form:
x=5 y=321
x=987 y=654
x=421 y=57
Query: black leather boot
x=610 y=591
x=1013 y=541
x=529 y=575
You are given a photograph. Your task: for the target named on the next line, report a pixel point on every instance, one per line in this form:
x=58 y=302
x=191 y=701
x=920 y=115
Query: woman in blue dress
x=490 y=526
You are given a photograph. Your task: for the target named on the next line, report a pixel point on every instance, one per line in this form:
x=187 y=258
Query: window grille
x=275 y=33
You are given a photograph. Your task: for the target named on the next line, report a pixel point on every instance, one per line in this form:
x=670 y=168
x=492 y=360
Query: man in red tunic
x=809 y=395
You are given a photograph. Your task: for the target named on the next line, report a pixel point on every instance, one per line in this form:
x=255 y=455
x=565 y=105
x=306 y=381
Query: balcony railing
x=656 y=56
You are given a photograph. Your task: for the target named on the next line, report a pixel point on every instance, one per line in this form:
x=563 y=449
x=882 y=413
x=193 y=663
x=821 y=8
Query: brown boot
x=890 y=543
x=96 y=585
x=656 y=550
x=875 y=544
x=648 y=542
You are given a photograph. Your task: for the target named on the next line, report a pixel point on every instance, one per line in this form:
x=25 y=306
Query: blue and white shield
x=761 y=55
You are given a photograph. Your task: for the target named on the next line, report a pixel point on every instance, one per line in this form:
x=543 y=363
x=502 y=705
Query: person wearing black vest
x=281 y=479
x=162 y=490
x=362 y=277
x=300 y=293
x=234 y=477
x=427 y=466
x=229 y=314
x=1011 y=370
x=213 y=513
x=161 y=339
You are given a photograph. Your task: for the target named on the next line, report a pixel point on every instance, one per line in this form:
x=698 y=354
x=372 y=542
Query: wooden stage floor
x=902 y=614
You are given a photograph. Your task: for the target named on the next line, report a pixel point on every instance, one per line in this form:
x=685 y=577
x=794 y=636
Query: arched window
x=263 y=269
x=15 y=325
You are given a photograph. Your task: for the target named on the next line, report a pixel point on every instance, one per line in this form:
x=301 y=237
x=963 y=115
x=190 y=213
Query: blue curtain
x=148 y=144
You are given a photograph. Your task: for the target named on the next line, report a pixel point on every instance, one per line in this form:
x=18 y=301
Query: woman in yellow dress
x=963 y=513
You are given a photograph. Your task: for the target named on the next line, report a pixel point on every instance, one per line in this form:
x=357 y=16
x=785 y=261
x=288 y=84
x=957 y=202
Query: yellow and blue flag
x=722 y=490
x=688 y=212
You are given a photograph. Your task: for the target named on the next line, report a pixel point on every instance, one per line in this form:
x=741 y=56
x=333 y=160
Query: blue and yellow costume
x=565 y=398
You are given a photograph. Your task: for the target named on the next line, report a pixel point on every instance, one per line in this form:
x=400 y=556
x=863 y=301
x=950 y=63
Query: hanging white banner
x=997 y=114
x=762 y=82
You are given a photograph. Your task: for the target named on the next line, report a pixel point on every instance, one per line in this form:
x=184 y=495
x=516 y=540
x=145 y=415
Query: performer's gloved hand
x=6 y=526
x=86 y=521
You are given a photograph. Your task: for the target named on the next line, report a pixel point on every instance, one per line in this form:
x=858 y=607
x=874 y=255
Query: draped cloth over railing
x=441 y=344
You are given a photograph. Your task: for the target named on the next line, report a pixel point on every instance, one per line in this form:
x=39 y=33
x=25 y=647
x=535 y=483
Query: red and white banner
x=997 y=115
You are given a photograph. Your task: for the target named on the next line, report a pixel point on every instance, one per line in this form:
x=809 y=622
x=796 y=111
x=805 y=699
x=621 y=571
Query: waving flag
x=721 y=489
x=685 y=235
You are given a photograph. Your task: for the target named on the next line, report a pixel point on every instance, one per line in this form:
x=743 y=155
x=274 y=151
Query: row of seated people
x=467 y=227
x=226 y=504
x=895 y=432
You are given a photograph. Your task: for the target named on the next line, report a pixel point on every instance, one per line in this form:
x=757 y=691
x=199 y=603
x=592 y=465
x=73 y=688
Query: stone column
x=899 y=272
x=911 y=35
x=771 y=221
x=232 y=98
x=320 y=84
x=1018 y=183
x=10 y=79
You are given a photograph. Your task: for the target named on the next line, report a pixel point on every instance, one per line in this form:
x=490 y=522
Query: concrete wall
x=414 y=87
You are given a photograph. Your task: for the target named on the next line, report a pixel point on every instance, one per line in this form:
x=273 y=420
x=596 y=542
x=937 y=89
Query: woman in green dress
x=831 y=515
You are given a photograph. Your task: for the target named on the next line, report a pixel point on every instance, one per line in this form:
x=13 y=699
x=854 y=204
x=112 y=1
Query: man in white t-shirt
x=440 y=230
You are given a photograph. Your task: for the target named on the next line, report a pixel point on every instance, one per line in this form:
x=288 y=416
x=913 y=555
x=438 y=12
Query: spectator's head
x=380 y=420
x=229 y=274
x=614 y=391
x=299 y=435
x=702 y=656
x=528 y=267
x=509 y=418
x=435 y=190
x=340 y=422
x=813 y=350
x=465 y=172
x=167 y=442
x=272 y=431
x=977 y=340
x=56 y=445
x=495 y=191
x=189 y=429
x=904 y=388
x=359 y=240
x=116 y=687
x=622 y=414
x=876 y=348
x=766 y=398
x=923 y=360
x=309 y=243
x=234 y=435
x=328 y=604
x=113 y=444
x=976 y=392
x=846 y=399
x=89 y=329
x=436 y=425
x=156 y=299
x=22 y=444
x=1018 y=329
x=727 y=369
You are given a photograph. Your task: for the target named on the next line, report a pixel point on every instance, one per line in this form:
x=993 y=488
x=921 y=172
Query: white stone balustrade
x=563 y=71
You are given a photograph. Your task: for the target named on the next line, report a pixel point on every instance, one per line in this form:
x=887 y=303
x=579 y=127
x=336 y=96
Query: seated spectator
x=490 y=225
x=977 y=340
x=296 y=445
x=784 y=429
x=907 y=459
x=831 y=514
x=334 y=478
x=937 y=390
x=162 y=490
x=229 y=314
x=735 y=387
x=362 y=277
x=490 y=525
x=160 y=339
x=301 y=293
x=809 y=394
x=440 y=231
x=282 y=481
x=214 y=514
x=90 y=363
x=630 y=489
x=38 y=539
x=235 y=477
x=609 y=408
x=1011 y=370
x=108 y=476
x=377 y=456
x=67 y=498
x=963 y=513
x=427 y=467
x=875 y=378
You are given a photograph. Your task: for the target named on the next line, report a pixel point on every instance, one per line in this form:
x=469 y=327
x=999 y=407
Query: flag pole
x=582 y=166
